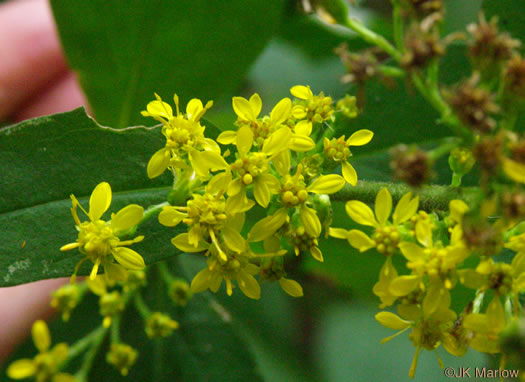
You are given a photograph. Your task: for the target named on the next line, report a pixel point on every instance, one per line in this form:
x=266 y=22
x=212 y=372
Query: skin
x=34 y=81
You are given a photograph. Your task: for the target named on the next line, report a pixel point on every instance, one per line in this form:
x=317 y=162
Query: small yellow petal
x=412 y=251
x=301 y=92
x=99 y=201
x=278 y=141
x=339 y=233
x=233 y=239
x=303 y=128
x=360 y=138
x=310 y=221
x=301 y=143
x=514 y=170
x=383 y=206
x=292 y=287
x=359 y=240
x=41 y=336
x=227 y=137
x=127 y=217
x=281 y=111
x=243 y=109
x=170 y=216
x=327 y=184
x=244 y=140
x=21 y=369
x=349 y=173
x=403 y=285
x=360 y=213
x=193 y=108
x=405 y=208
x=128 y=258
x=256 y=104
x=158 y=163
x=181 y=242
x=392 y=321
x=261 y=192
x=201 y=281
x=249 y=285
x=266 y=227
x=317 y=254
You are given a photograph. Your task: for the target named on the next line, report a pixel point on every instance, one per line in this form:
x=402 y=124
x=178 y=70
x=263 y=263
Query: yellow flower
x=386 y=237
x=310 y=109
x=99 y=240
x=185 y=139
x=264 y=129
x=502 y=278
x=237 y=267
x=487 y=327
x=338 y=151
x=210 y=218
x=302 y=242
x=428 y=331
x=253 y=168
x=382 y=288
x=45 y=366
x=294 y=194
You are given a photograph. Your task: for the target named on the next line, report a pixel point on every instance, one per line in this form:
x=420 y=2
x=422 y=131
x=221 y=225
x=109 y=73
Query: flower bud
x=122 y=357
x=160 y=325
x=179 y=292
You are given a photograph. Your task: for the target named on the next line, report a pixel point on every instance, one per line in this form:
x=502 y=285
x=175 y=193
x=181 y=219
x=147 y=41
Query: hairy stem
x=431 y=197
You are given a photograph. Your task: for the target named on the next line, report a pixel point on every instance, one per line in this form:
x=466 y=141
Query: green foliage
x=124 y=51
x=42 y=162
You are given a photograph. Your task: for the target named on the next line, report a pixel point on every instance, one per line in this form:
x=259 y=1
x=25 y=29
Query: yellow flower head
x=237 y=267
x=185 y=139
x=310 y=108
x=294 y=194
x=271 y=131
x=436 y=261
x=428 y=331
x=338 y=151
x=99 y=240
x=386 y=237
x=487 y=327
x=210 y=218
x=45 y=366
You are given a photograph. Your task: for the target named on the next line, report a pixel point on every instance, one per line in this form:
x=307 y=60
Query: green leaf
x=48 y=158
x=124 y=51
x=42 y=162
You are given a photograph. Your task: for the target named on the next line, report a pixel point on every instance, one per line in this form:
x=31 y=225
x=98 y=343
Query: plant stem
x=96 y=342
x=398 y=26
x=372 y=37
x=141 y=306
x=83 y=343
x=431 y=197
x=165 y=273
x=152 y=211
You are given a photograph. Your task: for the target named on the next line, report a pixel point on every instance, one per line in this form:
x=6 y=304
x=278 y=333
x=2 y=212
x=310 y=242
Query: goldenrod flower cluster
x=266 y=164
x=435 y=252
